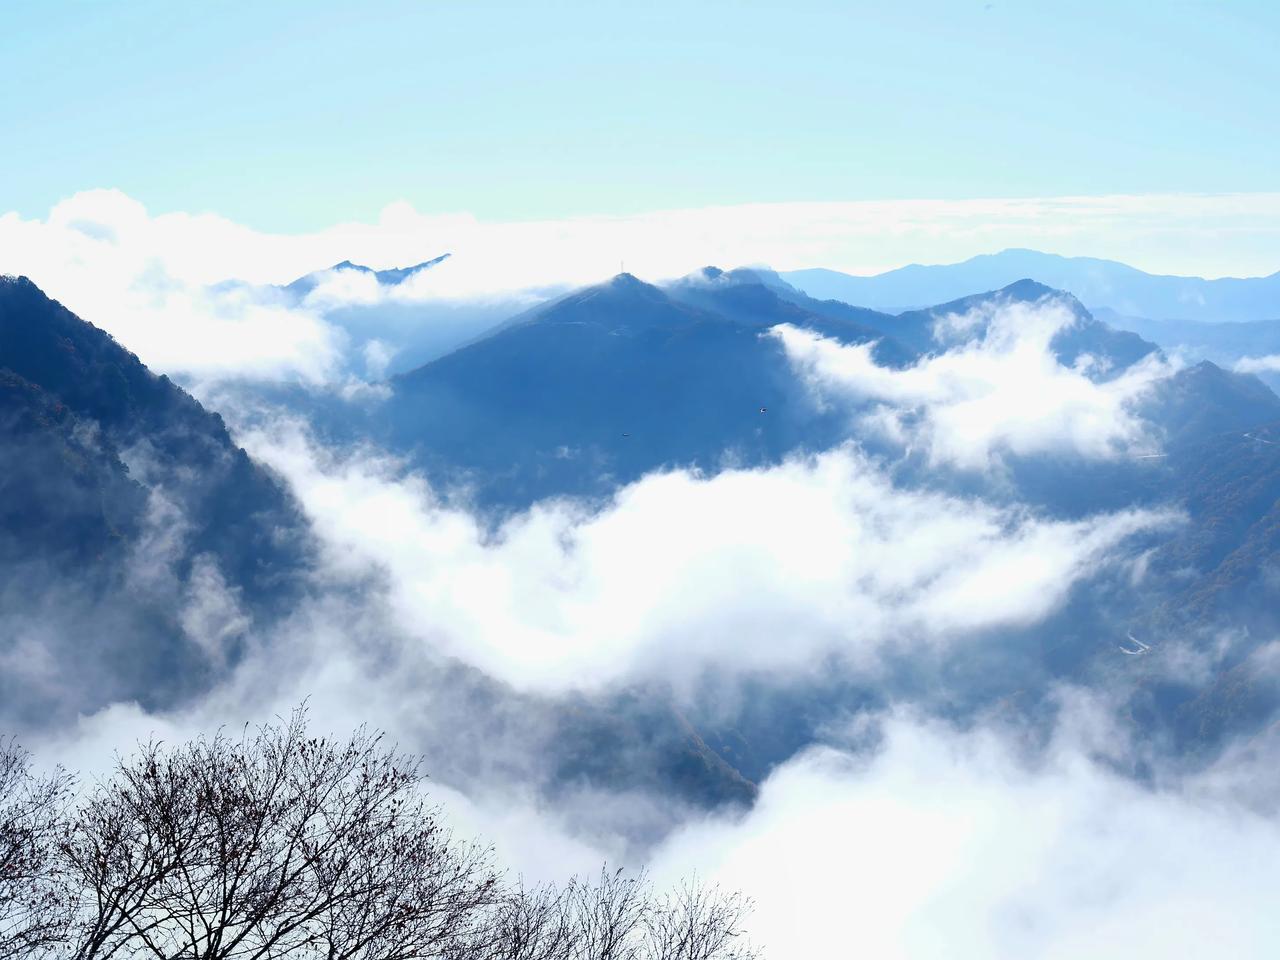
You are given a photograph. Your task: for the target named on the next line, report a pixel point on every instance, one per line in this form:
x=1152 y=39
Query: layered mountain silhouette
x=1097 y=283
x=123 y=493
x=608 y=383
x=611 y=382
x=1224 y=343
x=923 y=331
x=623 y=378
x=128 y=517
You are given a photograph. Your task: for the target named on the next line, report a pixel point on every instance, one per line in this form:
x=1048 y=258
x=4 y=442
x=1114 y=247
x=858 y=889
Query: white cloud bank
x=144 y=277
x=1004 y=392
x=938 y=843
x=948 y=845
x=1267 y=364
x=747 y=571
x=140 y=278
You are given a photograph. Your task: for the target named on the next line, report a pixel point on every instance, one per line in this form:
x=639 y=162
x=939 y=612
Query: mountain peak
x=739 y=276
x=1028 y=289
x=625 y=287
x=396 y=275
x=622 y=301
x=626 y=281
x=390 y=277
x=1021 y=291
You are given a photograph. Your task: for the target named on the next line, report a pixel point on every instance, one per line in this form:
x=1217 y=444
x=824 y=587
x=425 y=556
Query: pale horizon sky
x=292 y=117
x=1212 y=235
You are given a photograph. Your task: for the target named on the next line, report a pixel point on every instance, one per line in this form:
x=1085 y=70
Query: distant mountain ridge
x=1095 y=282
x=391 y=277
x=599 y=387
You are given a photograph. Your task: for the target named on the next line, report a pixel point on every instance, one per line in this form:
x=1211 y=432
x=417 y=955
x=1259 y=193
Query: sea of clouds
x=901 y=833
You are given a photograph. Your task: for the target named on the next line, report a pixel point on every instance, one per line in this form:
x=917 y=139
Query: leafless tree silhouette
x=618 y=917
x=34 y=905
x=276 y=845
x=269 y=846
x=698 y=923
x=529 y=925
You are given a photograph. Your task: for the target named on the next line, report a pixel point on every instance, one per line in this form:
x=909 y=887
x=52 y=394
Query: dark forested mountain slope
x=116 y=486
x=65 y=495
x=107 y=397
x=1201 y=402
x=1229 y=484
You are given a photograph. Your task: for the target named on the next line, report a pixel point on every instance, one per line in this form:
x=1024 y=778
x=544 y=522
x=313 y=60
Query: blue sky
x=291 y=116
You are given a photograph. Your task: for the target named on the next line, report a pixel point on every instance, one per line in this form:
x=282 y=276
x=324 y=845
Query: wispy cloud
x=1267 y=364
x=1003 y=393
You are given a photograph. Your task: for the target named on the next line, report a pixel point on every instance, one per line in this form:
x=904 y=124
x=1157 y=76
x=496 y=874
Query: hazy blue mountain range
x=604 y=385
x=1117 y=349
x=905 y=336
x=576 y=397
x=1096 y=283
x=595 y=389
x=391 y=332
x=616 y=380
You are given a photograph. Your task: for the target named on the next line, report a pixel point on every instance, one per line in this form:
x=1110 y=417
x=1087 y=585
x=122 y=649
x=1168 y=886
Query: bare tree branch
x=34 y=906
x=278 y=845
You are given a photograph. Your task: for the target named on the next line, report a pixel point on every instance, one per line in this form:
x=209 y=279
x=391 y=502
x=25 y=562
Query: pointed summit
x=625 y=281
x=391 y=277
x=1028 y=289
